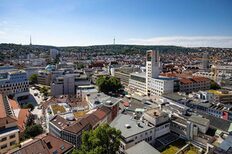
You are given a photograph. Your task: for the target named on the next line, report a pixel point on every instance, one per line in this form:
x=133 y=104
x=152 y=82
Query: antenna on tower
x=30 y=40
x=114 y=41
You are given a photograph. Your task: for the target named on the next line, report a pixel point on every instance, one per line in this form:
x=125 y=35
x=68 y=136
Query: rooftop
x=59 y=121
x=155 y=113
x=45 y=144
x=227 y=143
x=221 y=93
x=2 y=107
x=58 y=108
x=129 y=126
x=142 y=148
x=22 y=117
x=200 y=120
x=141 y=74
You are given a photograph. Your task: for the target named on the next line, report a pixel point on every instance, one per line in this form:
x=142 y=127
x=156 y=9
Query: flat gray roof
x=142 y=74
x=122 y=120
x=142 y=148
x=200 y=120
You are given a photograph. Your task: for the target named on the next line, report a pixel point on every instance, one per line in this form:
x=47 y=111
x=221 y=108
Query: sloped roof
x=44 y=144
x=22 y=118
x=2 y=107
x=7 y=120
x=14 y=105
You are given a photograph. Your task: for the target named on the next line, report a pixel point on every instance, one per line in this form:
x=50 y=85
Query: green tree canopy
x=102 y=140
x=44 y=90
x=32 y=131
x=214 y=85
x=108 y=84
x=29 y=106
x=33 y=79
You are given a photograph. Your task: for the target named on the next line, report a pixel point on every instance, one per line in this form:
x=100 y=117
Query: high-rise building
x=205 y=61
x=156 y=85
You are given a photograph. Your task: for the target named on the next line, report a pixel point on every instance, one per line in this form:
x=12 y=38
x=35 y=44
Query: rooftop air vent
x=109 y=102
x=127 y=126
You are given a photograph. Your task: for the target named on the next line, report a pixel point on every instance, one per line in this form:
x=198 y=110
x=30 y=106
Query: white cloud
x=186 y=41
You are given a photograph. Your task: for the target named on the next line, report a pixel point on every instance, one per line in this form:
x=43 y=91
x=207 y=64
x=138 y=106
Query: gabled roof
x=6 y=120
x=14 y=105
x=22 y=118
x=2 y=107
x=79 y=125
x=44 y=144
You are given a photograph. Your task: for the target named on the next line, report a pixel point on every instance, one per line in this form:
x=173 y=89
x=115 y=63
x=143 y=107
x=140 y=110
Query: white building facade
x=156 y=85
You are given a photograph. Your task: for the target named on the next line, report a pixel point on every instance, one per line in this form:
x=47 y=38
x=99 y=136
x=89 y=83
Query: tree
x=29 y=106
x=214 y=85
x=108 y=84
x=102 y=140
x=44 y=90
x=33 y=79
x=32 y=131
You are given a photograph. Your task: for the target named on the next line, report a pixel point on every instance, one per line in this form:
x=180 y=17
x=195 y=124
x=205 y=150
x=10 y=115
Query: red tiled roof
x=200 y=79
x=7 y=120
x=22 y=118
x=14 y=104
x=185 y=81
x=2 y=107
x=44 y=144
x=100 y=114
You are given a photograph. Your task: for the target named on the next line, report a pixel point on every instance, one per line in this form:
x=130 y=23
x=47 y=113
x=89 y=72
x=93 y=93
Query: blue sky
x=92 y=22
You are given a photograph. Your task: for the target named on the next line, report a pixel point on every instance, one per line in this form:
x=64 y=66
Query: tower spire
x=114 y=40
x=30 y=40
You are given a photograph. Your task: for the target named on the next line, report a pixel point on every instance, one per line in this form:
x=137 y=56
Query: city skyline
x=81 y=23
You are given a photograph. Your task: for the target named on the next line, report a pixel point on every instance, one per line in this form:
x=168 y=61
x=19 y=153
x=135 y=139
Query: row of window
x=15 y=84
x=5 y=138
x=5 y=145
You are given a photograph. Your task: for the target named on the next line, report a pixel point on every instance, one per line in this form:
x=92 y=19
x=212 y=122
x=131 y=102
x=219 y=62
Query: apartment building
x=71 y=130
x=44 y=144
x=132 y=131
x=9 y=132
x=14 y=83
x=159 y=119
x=68 y=83
x=123 y=73
x=137 y=83
x=191 y=84
x=44 y=77
x=222 y=96
x=188 y=83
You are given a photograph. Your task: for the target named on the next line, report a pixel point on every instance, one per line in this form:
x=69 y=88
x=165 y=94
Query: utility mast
x=114 y=40
x=30 y=40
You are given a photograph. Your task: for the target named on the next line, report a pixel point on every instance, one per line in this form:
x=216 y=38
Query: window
x=4 y=146
x=12 y=143
x=3 y=139
x=12 y=136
